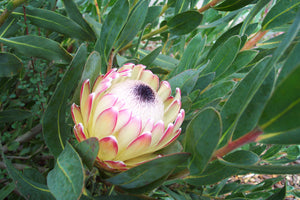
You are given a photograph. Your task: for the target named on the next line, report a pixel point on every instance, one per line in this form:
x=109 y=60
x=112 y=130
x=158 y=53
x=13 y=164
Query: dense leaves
x=237 y=65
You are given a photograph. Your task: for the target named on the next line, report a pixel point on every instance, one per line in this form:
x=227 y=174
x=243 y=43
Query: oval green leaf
x=74 y=13
x=289 y=137
x=202 y=137
x=92 y=70
x=10 y=65
x=54 y=21
x=88 y=151
x=148 y=172
x=14 y=115
x=224 y=56
x=111 y=28
x=282 y=112
x=230 y=5
x=55 y=129
x=216 y=91
x=216 y=171
x=185 y=22
x=41 y=47
x=282 y=12
x=191 y=53
x=133 y=24
x=264 y=169
x=149 y=59
x=66 y=180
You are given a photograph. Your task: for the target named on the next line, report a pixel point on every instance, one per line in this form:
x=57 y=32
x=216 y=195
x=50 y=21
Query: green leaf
x=202 y=137
x=36 y=46
x=258 y=6
x=10 y=65
x=264 y=169
x=216 y=171
x=74 y=13
x=133 y=24
x=66 y=180
x=29 y=189
x=224 y=56
x=204 y=81
x=230 y=5
x=282 y=12
x=282 y=112
x=249 y=118
x=148 y=172
x=241 y=60
x=111 y=28
x=149 y=59
x=241 y=96
x=185 y=80
x=185 y=22
x=34 y=175
x=152 y=15
x=278 y=195
x=181 y=6
x=10 y=27
x=191 y=53
x=92 y=70
x=6 y=190
x=14 y=115
x=54 y=21
x=289 y=137
x=55 y=129
x=291 y=63
x=223 y=20
x=149 y=187
x=88 y=151
x=162 y=63
x=226 y=35
x=216 y=91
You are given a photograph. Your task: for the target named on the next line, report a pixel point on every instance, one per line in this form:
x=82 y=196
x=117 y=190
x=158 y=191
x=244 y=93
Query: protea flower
x=131 y=114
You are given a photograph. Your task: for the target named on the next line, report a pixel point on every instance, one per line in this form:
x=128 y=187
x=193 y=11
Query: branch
x=27 y=136
x=10 y=7
x=254 y=40
x=249 y=137
x=208 y=6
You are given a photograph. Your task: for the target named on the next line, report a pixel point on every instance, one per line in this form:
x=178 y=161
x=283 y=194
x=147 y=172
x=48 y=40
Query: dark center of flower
x=144 y=93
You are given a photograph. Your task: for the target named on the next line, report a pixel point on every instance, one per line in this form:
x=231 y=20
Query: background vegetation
x=236 y=62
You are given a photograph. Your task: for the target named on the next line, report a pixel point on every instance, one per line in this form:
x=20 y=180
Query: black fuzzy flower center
x=144 y=93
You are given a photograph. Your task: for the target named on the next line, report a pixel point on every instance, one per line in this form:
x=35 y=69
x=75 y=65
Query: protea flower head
x=132 y=115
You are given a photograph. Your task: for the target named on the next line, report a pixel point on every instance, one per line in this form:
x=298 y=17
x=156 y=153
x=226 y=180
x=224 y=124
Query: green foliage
x=237 y=65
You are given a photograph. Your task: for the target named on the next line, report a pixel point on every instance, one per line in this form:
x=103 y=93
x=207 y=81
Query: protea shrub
x=132 y=115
